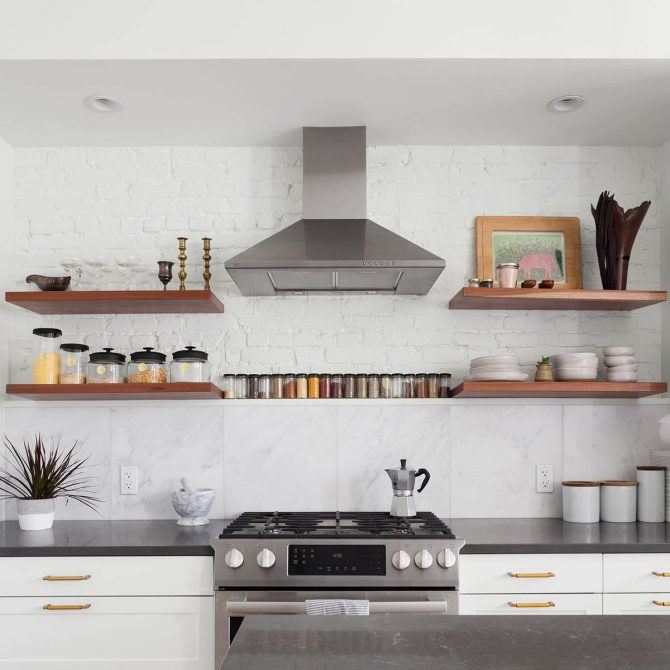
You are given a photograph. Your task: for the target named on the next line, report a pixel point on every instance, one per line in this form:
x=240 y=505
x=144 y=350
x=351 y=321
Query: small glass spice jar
x=106 y=367
x=228 y=386
x=324 y=385
x=409 y=385
x=264 y=387
x=277 y=386
x=241 y=386
x=397 y=385
x=290 y=386
x=189 y=365
x=313 y=386
x=254 y=387
x=445 y=385
x=72 y=366
x=336 y=386
x=421 y=385
x=385 y=386
x=361 y=386
x=147 y=367
x=374 y=386
x=301 y=385
x=349 y=386
x=433 y=385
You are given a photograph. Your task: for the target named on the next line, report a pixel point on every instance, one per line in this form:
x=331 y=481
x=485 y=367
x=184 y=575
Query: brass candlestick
x=206 y=246
x=182 y=262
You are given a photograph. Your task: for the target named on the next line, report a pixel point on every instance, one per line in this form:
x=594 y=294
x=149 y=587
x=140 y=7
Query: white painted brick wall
x=109 y=204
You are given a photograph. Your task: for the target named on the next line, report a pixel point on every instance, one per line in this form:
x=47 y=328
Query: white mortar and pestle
x=191 y=504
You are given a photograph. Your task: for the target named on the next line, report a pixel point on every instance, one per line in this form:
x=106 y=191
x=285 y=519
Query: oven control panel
x=337 y=559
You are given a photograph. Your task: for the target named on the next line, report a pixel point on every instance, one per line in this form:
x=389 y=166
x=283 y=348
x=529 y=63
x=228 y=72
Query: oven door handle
x=244 y=608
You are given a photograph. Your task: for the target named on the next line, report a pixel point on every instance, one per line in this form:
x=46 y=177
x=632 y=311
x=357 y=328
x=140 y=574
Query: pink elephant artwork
x=530 y=262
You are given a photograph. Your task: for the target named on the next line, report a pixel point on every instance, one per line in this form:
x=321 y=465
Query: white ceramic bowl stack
x=582 y=366
x=496 y=368
x=620 y=364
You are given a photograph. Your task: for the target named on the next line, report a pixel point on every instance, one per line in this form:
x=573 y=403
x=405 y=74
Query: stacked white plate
x=621 y=364
x=496 y=368
x=582 y=366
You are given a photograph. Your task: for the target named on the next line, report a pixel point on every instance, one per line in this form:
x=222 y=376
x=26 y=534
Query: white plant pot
x=35 y=514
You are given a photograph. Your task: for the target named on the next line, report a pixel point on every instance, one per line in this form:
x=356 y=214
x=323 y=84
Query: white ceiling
x=266 y=102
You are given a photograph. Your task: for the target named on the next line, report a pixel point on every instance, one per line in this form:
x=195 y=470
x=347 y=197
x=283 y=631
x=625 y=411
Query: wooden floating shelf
x=473 y=389
x=175 y=391
x=116 y=302
x=564 y=299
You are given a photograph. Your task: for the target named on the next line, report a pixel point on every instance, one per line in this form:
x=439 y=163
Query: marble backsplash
x=481 y=457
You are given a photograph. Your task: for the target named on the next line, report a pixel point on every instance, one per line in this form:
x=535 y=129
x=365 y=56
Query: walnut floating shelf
x=116 y=302
x=564 y=299
x=472 y=389
x=174 y=391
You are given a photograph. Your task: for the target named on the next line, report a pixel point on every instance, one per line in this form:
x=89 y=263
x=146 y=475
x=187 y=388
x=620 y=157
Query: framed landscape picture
x=545 y=247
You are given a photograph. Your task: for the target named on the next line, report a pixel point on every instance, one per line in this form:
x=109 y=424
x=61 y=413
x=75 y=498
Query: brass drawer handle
x=660 y=603
x=547 y=604
x=531 y=575
x=66 y=578
x=60 y=608
x=661 y=574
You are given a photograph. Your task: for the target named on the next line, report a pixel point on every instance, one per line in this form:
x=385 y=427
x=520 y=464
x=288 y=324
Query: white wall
x=665 y=255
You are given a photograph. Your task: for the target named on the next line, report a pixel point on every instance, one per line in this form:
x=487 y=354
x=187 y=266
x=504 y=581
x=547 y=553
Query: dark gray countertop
x=457 y=643
x=529 y=536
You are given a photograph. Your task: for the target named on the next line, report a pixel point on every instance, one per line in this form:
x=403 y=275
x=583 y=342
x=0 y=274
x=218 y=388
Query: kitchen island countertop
x=458 y=643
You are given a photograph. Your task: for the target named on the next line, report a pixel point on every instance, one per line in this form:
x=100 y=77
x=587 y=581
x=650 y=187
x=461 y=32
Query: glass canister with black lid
x=147 y=367
x=72 y=366
x=106 y=367
x=189 y=365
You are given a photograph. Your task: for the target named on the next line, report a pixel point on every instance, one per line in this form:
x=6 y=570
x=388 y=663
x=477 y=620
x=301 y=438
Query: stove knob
x=265 y=558
x=423 y=559
x=401 y=560
x=234 y=558
x=446 y=558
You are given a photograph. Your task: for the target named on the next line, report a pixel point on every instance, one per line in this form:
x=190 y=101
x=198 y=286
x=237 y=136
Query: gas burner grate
x=336 y=525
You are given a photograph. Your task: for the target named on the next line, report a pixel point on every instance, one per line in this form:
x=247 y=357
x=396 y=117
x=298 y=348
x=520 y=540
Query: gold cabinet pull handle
x=66 y=578
x=661 y=574
x=61 y=608
x=531 y=575
x=660 y=603
x=547 y=604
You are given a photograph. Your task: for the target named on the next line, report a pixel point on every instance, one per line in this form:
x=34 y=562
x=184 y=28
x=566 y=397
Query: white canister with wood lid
x=581 y=501
x=618 y=500
x=651 y=493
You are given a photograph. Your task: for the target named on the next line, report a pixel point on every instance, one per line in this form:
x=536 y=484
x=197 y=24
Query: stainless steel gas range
x=270 y=563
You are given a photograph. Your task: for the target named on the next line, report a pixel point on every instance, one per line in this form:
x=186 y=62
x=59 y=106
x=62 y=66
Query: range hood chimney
x=334 y=248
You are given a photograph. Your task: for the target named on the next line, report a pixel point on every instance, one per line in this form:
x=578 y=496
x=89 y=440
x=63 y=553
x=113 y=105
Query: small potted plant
x=36 y=475
x=543 y=370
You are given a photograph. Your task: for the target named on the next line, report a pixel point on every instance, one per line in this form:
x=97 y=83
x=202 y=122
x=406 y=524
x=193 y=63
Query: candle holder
x=206 y=246
x=182 y=262
x=165 y=272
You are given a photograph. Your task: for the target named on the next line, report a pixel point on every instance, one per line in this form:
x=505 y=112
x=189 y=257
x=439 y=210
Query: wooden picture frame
x=558 y=255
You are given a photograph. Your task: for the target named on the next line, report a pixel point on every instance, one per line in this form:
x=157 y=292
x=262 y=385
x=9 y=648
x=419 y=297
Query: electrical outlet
x=544 y=478
x=130 y=480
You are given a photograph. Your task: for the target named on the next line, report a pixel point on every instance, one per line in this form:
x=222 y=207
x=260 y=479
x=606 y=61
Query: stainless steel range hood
x=334 y=248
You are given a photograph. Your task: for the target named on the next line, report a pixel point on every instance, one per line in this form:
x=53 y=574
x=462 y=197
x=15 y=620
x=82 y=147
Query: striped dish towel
x=329 y=607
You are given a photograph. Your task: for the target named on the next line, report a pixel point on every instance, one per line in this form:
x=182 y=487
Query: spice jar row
x=57 y=363
x=327 y=385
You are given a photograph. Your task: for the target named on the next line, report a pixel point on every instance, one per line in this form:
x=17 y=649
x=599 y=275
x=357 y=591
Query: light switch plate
x=544 y=478
x=130 y=484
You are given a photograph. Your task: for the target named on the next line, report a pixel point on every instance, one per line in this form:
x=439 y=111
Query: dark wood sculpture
x=615 y=234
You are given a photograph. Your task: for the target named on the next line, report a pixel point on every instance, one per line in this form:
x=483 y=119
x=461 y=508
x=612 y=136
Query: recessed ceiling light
x=103 y=103
x=566 y=103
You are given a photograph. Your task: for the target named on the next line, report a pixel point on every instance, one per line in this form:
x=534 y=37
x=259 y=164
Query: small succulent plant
x=545 y=360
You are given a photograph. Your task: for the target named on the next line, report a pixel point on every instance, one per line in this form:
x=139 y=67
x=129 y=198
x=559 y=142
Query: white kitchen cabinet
x=530 y=573
x=636 y=603
x=518 y=604
x=636 y=573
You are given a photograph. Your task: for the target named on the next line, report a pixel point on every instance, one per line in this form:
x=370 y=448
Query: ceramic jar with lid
x=106 y=367
x=72 y=365
x=508 y=274
x=147 y=367
x=46 y=365
x=618 y=500
x=581 y=501
x=189 y=365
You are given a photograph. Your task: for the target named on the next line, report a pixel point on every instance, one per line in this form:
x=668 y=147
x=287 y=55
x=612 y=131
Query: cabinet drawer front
x=636 y=603
x=530 y=573
x=109 y=634
x=634 y=573
x=519 y=604
x=107 y=576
